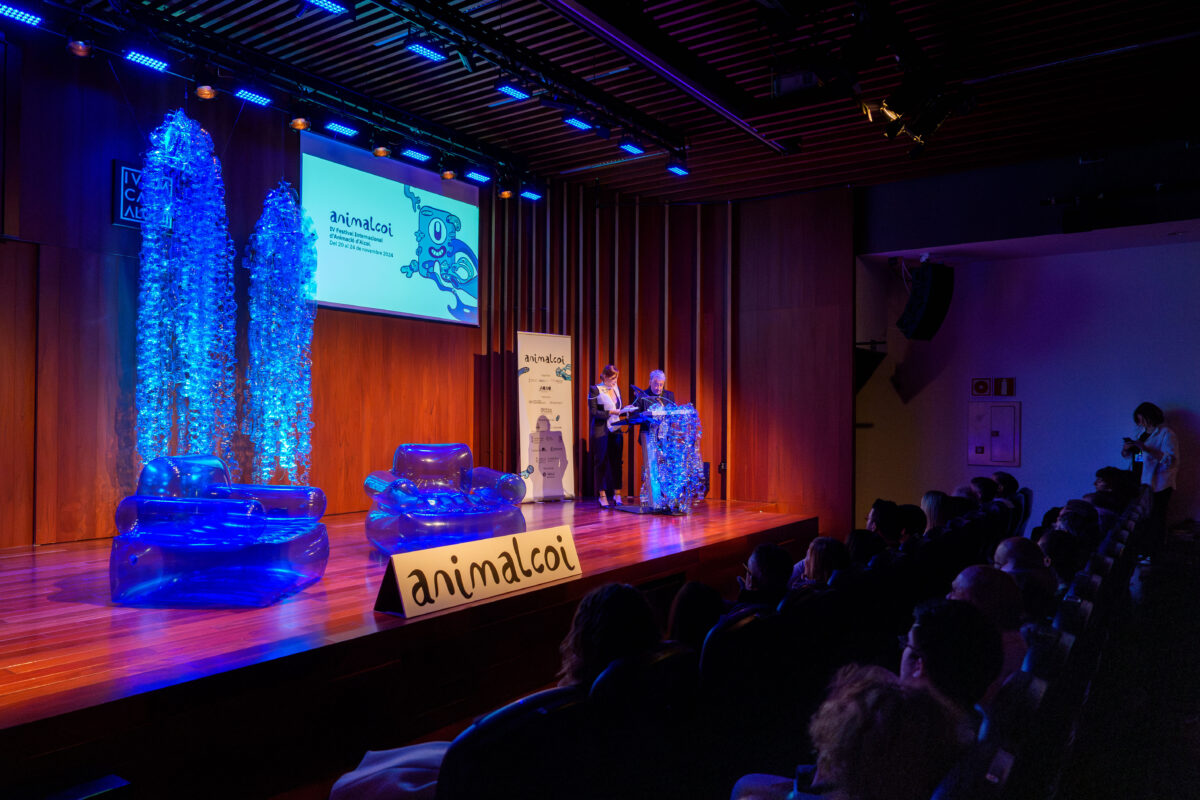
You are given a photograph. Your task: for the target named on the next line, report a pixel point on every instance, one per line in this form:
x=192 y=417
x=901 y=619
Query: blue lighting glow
x=187 y=315
x=426 y=50
x=576 y=122
x=631 y=146
x=19 y=15
x=146 y=61
x=282 y=261
x=252 y=97
x=328 y=5
x=338 y=127
x=477 y=176
x=415 y=155
x=530 y=194
x=512 y=90
x=677 y=166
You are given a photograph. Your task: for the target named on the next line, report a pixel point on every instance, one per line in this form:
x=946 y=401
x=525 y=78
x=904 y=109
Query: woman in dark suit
x=607 y=443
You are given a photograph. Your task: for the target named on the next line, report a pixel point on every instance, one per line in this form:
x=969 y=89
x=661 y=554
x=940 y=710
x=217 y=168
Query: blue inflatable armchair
x=189 y=537
x=434 y=496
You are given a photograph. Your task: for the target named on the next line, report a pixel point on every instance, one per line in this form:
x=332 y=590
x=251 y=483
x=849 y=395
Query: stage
x=275 y=695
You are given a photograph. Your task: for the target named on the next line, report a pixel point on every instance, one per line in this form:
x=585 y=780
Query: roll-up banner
x=544 y=403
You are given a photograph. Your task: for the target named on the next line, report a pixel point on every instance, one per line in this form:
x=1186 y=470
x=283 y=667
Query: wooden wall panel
x=18 y=390
x=792 y=377
x=87 y=418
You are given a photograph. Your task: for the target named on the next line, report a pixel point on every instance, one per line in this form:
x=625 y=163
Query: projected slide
x=386 y=241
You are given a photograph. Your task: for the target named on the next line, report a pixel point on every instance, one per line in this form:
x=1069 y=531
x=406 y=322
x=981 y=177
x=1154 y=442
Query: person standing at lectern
x=655 y=397
x=605 y=409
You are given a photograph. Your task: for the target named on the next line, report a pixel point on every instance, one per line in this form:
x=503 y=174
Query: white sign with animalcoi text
x=438 y=578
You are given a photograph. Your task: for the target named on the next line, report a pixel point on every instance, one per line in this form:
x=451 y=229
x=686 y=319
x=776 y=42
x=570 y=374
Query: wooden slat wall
x=691 y=289
x=18 y=391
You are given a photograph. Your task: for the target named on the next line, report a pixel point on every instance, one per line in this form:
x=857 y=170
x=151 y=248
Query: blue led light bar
x=576 y=122
x=328 y=5
x=19 y=15
x=512 y=90
x=631 y=146
x=477 y=176
x=530 y=194
x=146 y=61
x=338 y=127
x=425 y=50
x=415 y=154
x=252 y=97
x=678 y=169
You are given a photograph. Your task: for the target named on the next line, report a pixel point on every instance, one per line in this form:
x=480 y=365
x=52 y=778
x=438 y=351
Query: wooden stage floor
x=83 y=681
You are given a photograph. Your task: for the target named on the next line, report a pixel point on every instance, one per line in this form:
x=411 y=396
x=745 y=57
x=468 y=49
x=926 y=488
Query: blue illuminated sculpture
x=189 y=537
x=434 y=496
x=282 y=260
x=186 y=324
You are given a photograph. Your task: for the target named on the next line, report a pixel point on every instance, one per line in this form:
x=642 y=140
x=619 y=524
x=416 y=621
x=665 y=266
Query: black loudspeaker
x=928 y=301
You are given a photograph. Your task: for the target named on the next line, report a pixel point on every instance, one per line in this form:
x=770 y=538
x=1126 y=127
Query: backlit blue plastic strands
x=425 y=50
x=477 y=176
x=146 y=61
x=680 y=466
x=252 y=97
x=576 y=122
x=338 y=127
x=415 y=155
x=19 y=15
x=187 y=317
x=282 y=260
x=328 y=5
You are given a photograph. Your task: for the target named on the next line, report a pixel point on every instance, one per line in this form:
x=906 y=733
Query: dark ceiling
x=768 y=96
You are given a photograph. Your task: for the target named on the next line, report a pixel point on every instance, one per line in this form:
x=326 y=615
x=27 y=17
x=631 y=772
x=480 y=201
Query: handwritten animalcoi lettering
x=423 y=581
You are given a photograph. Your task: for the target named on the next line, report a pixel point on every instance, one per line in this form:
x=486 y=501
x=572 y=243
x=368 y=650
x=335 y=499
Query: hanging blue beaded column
x=186 y=307
x=282 y=260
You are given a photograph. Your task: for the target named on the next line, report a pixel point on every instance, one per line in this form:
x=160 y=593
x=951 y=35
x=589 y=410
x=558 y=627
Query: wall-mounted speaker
x=928 y=301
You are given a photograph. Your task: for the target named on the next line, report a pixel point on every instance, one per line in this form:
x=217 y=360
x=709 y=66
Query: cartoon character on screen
x=444 y=258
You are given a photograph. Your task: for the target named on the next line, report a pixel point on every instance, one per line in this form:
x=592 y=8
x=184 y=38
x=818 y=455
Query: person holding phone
x=1159 y=449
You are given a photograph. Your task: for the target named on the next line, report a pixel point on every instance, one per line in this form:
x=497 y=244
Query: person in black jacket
x=606 y=443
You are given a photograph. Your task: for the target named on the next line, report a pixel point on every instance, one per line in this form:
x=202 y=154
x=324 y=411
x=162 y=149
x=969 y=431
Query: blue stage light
x=677 y=165
x=512 y=89
x=425 y=50
x=416 y=154
x=328 y=5
x=576 y=121
x=531 y=193
x=19 y=15
x=478 y=176
x=252 y=97
x=338 y=127
x=631 y=145
x=146 y=61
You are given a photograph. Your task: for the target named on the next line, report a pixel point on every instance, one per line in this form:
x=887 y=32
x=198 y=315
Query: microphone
x=637 y=393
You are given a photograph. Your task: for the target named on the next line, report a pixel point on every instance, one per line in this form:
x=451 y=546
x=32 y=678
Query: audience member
x=768 y=572
x=1017 y=552
x=953 y=648
x=1063 y=551
x=884 y=519
x=1117 y=482
x=863 y=545
x=612 y=621
x=694 y=610
x=1080 y=519
x=936 y=506
x=875 y=738
x=969 y=496
x=912 y=522
x=1039 y=592
x=997 y=595
x=825 y=555
x=984 y=489
x=1007 y=484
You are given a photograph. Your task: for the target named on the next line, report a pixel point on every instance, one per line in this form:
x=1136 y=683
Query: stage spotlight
x=78 y=44
x=677 y=165
x=450 y=168
x=504 y=188
x=337 y=127
x=206 y=91
x=252 y=97
x=631 y=145
x=425 y=49
x=512 y=88
x=19 y=15
x=531 y=192
x=300 y=122
x=381 y=150
x=577 y=120
x=477 y=174
x=416 y=152
x=328 y=5
x=153 y=63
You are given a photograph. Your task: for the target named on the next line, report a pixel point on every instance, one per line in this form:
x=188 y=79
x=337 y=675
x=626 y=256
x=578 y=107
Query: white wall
x=1087 y=336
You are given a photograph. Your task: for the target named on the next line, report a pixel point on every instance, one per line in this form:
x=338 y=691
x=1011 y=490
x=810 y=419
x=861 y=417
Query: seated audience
x=1017 y=552
x=1117 y=482
x=1007 y=485
x=768 y=572
x=1048 y=520
x=953 y=648
x=695 y=609
x=825 y=555
x=863 y=545
x=997 y=595
x=912 y=523
x=936 y=506
x=875 y=738
x=884 y=519
x=1080 y=519
x=985 y=489
x=1065 y=556
x=1029 y=566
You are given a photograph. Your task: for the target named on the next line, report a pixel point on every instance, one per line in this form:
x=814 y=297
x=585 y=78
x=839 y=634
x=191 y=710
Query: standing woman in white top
x=605 y=439
x=1160 y=465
